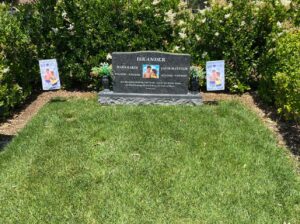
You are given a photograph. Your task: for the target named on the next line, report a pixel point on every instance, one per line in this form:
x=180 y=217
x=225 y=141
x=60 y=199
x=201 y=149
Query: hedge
x=80 y=34
x=17 y=63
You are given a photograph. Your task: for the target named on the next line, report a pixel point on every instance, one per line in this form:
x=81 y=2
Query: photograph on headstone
x=151 y=71
x=215 y=75
x=49 y=74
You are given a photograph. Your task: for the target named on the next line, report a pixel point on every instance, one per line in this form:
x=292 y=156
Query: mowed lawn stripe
x=79 y=162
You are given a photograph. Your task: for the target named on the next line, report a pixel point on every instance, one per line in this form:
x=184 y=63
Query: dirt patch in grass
x=287 y=132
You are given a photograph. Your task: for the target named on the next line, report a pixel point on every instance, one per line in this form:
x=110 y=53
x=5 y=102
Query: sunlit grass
x=79 y=162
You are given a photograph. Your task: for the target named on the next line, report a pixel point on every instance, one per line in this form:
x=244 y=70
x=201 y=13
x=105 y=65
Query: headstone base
x=109 y=97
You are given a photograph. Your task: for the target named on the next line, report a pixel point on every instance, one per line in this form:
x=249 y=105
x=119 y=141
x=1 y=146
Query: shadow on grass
x=4 y=140
x=289 y=130
x=212 y=103
x=58 y=100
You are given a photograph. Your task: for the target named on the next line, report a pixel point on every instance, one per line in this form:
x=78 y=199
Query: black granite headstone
x=150 y=77
x=150 y=72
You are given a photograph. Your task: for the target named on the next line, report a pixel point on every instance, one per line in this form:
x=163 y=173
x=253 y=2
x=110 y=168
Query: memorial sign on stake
x=215 y=75
x=49 y=74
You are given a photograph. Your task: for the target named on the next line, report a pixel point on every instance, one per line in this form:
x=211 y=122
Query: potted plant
x=104 y=71
x=196 y=75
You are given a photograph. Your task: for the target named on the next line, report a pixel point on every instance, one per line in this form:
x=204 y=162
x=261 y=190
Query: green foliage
x=236 y=32
x=10 y=93
x=103 y=70
x=197 y=72
x=80 y=34
x=281 y=78
x=17 y=63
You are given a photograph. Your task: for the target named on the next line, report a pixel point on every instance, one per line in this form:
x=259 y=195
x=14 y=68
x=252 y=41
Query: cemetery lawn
x=79 y=162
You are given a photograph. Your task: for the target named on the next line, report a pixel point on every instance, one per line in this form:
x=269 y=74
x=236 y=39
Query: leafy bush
x=17 y=63
x=80 y=34
x=281 y=78
x=237 y=32
x=10 y=93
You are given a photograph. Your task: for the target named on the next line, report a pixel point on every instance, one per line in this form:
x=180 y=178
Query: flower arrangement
x=197 y=72
x=103 y=70
x=197 y=77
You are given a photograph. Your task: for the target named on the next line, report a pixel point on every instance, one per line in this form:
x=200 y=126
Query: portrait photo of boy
x=150 y=71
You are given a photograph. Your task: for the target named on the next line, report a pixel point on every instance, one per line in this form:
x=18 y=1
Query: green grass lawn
x=79 y=162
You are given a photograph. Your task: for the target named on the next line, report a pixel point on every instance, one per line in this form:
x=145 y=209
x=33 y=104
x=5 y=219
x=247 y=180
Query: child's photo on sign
x=49 y=74
x=215 y=75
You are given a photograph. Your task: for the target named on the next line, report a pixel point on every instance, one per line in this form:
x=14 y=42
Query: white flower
x=176 y=48
x=279 y=24
x=6 y=70
x=243 y=23
x=182 y=4
x=203 y=20
x=259 y=4
x=204 y=54
x=227 y=16
x=64 y=14
x=229 y=5
x=197 y=37
x=55 y=30
x=217 y=34
x=108 y=57
x=280 y=34
x=170 y=16
x=155 y=2
x=286 y=3
x=202 y=11
x=181 y=22
x=71 y=27
x=182 y=35
x=138 y=22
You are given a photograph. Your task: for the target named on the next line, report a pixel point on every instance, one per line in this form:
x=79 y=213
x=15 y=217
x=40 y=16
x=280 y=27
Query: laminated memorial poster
x=215 y=75
x=49 y=74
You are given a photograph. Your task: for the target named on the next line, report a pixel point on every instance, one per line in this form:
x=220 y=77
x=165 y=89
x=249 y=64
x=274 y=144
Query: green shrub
x=17 y=63
x=10 y=93
x=80 y=34
x=236 y=32
x=281 y=79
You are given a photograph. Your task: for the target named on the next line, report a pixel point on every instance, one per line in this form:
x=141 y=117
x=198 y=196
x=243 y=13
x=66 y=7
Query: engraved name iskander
x=151 y=59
